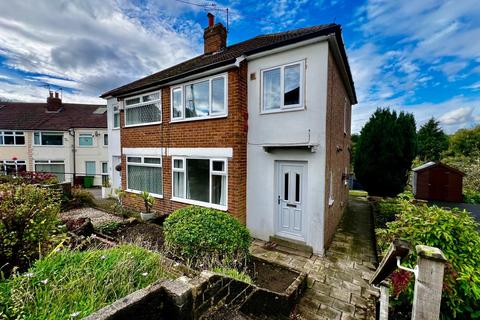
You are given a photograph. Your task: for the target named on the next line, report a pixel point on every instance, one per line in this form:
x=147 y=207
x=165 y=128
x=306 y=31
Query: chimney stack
x=214 y=36
x=54 y=103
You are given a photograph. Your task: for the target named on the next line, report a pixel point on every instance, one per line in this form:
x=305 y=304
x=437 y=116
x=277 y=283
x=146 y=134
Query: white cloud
x=97 y=45
x=473 y=86
x=457 y=116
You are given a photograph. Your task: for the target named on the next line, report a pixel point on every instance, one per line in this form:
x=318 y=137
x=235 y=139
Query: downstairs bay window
x=200 y=181
x=145 y=174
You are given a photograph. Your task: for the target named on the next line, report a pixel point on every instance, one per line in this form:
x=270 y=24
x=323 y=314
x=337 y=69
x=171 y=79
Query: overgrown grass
x=358 y=193
x=234 y=273
x=73 y=284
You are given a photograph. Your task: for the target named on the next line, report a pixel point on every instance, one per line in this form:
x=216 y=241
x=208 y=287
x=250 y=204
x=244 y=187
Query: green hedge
x=207 y=237
x=455 y=233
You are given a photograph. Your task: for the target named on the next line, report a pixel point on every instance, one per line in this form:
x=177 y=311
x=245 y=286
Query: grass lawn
x=74 y=284
x=358 y=193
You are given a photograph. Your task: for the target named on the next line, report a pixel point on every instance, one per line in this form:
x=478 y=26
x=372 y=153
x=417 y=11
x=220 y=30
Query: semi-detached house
x=260 y=129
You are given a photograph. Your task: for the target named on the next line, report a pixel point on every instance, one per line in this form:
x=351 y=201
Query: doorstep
x=290 y=246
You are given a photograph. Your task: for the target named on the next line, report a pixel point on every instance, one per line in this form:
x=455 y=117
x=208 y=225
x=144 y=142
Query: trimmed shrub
x=455 y=233
x=29 y=224
x=82 y=198
x=471 y=196
x=206 y=237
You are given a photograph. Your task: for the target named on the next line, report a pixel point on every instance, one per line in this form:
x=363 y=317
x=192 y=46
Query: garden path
x=337 y=282
x=98 y=217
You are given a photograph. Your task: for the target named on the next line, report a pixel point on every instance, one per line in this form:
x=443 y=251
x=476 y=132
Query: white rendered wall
x=304 y=126
x=114 y=149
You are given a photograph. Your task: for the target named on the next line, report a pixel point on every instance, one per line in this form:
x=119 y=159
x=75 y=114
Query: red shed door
x=439 y=185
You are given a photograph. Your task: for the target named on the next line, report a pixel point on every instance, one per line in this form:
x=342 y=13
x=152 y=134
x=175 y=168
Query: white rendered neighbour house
x=61 y=138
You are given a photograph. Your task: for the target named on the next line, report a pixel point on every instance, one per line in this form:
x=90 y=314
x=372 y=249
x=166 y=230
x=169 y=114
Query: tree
x=385 y=151
x=432 y=141
x=465 y=141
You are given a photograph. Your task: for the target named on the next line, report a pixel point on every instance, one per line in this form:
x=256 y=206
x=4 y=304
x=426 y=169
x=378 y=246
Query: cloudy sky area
x=422 y=56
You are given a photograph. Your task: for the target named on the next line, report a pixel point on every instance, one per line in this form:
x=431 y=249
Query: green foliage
x=455 y=233
x=29 y=224
x=234 y=274
x=72 y=283
x=109 y=228
x=148 y=201
x=207 y=237
x=386 y=211
x=470 y=165
x=465 y=142
x=82 y=198
x=385 y=151
x=432 y=141
x=471 y=196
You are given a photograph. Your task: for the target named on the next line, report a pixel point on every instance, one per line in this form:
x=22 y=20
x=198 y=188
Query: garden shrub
x=386 y=211
x=82 y=198
x=73 y=284
x=455 y=233
x=471 y=196
x=29 y=224
x=207 y=237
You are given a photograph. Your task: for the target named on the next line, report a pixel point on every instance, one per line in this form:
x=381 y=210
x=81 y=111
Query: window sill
x=199 y=118
x=200 y=203
x=143 y=124
x=158 y=196
x=48 y=146
x=118 y=128
x=283 y=110
x=12 y=145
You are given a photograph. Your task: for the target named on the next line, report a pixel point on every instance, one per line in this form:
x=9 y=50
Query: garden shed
x=437 y=181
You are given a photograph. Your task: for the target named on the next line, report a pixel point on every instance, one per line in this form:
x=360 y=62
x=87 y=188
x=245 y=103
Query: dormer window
x=282 y=88
x=200 y=99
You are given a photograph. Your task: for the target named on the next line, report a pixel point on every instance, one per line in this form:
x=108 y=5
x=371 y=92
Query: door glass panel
x=297 y=187
x=285 y=188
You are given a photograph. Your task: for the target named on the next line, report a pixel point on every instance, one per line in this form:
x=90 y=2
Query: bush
x=29 y=223
x=471 y=196
x=74 y=284
x=386 y=211
x=207 y=237
x=455 y=233
x=82 y=198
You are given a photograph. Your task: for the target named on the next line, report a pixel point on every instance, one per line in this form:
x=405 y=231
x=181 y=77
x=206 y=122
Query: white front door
x=116 y=175
x=291 y=178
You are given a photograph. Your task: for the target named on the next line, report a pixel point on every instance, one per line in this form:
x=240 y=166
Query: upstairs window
x=143 y=109
x=48 y=138
x=12 y=138
x=85 y=140
x=116 y=117
x=200 y=99
x=105 y=139
x=283 y=87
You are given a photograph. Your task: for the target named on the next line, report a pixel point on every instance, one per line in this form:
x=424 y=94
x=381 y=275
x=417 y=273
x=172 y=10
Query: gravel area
x=97 y=217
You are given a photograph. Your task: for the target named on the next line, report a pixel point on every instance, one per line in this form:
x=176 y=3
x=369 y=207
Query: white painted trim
x=142 y=151
x=201 y=152
x=286 y=48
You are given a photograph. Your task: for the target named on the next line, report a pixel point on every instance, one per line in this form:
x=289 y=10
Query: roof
x=32 y=116
x=432 y=164
x=258 y=44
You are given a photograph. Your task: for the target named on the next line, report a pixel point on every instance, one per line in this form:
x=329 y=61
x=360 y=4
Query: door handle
x=291 y=205
x=278 y=199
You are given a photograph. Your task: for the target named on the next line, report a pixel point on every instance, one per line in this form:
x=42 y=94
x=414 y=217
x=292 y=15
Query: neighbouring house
x=66 y=139
x=260 y=129
x=437 y=181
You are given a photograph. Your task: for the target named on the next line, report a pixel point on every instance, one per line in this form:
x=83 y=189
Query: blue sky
x=422 y=56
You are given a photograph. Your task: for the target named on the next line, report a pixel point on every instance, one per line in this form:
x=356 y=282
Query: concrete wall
x=304 y=126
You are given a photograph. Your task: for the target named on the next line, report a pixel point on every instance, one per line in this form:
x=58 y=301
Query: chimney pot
x=214 y=36
x=211 y=20
x=56 y=95
x=54 y=103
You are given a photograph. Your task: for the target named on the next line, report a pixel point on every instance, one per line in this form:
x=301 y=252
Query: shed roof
x=432 y=164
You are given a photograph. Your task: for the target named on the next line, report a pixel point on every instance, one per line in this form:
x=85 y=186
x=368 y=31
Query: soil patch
x=270 y=276
x=148 y=235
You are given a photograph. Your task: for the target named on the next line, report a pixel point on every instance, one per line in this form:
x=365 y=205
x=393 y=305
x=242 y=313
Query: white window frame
x=13 y=134
x=35 y=162
x=116 y=111
x=84 y=135
x=141 y=104
x=16 y=163
x=48 y=145
x=283 y=107
x=103 y=141
x=211 y=115
x=143 y=164
x=196 y=202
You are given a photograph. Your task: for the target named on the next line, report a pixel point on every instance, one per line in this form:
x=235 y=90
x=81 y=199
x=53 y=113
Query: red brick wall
x=213 y=133
x=337 y=149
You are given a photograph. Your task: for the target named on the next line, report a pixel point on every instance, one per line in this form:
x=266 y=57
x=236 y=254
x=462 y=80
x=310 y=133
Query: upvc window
x=12 y=138
x=143 y=109
x=12 y=166
x=200 y=181
x=199 y=99
x=145 y=174
x=48 y=138
x=85 y=140
x=282 y=87
x=56 y=167
x=116 y=117
x=105 y=139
